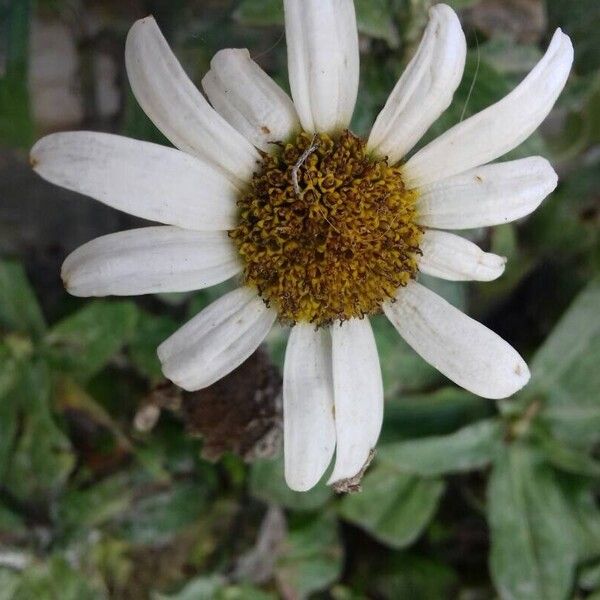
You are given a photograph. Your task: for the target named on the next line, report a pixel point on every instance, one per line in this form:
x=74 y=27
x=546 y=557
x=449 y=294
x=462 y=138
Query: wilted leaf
x=19 y=308
x=240 y=413
x=534 y=550
x=472 y=447
x=565 y=372
x=394 y=507
x=312 y=555
x=268 y=484
x=84 y=342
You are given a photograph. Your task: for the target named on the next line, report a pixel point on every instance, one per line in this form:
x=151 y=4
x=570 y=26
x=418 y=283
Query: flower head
x=324 y=229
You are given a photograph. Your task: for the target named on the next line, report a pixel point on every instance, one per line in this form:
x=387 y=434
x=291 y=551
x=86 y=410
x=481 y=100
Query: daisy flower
x=323 y=229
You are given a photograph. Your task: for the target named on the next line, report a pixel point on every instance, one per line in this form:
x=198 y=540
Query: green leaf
x=82 y=510
x=41 y=457
x=9 y=582
x=55 y=579
x=436 y=413
x=260 y=12
x=214 y=588
x=19 y=308
x=312 y=555
x=84 y=342
x=585 y=517
x=472 y=447
x=158 y=517
x=394 y=507
x=267 y=483
x=375 y=19
x=16 y=126
x=565 y=372
x=408 y=576
x=401 y=367
x=563 y=456
x=581 y=21
x=533 y=549
x=150 y=332
x=589 y=578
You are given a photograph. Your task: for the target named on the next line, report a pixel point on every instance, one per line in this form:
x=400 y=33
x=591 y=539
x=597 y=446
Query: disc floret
x=327 y=232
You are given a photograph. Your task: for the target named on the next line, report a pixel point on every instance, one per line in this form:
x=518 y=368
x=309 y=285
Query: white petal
x=143 y=179
x=308 y=424
x=150 y=260
x=178 y=108
x=425 y=89
x=500 y=127
x=247 y=98
x=488 y=195
x=323 y=61
x=464 y=350
x=217 y=340
x=358 y=396
x=451 y=257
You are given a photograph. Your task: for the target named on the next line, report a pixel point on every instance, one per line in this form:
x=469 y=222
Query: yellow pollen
x=325 y=231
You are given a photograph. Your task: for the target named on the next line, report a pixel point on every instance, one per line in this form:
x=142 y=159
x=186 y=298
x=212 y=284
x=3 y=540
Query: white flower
x=226 y=158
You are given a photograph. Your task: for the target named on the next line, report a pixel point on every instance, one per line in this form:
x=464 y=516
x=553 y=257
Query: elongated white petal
x=150 y=260
x=500 y=127
x=143 y=179
x=488 y=195
x=323 y=61
x=247 y=98
x=451 y=257
x=217 y=340
x=308 y=424
x=464 y=350
x=178 y=108
x=358 y=396
x=425 y=89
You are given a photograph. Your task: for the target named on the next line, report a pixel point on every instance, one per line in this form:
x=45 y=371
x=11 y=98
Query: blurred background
x=115 y=484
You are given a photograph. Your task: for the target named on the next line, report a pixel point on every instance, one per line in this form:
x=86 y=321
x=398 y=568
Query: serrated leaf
x=565 y=372
x=19 y=308
x=533 y=549
x=84 y=342
x=312 y=555
x=393 y=507
x=268 y=484
x=472 y=447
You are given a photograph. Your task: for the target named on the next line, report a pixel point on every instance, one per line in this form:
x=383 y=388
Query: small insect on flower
x=322 y=228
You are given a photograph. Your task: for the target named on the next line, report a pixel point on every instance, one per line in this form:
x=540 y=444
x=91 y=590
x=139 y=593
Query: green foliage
x=394 y=507
x=92 y=509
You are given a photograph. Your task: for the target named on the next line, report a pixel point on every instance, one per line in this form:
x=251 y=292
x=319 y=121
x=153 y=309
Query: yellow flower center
x=325 y=231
